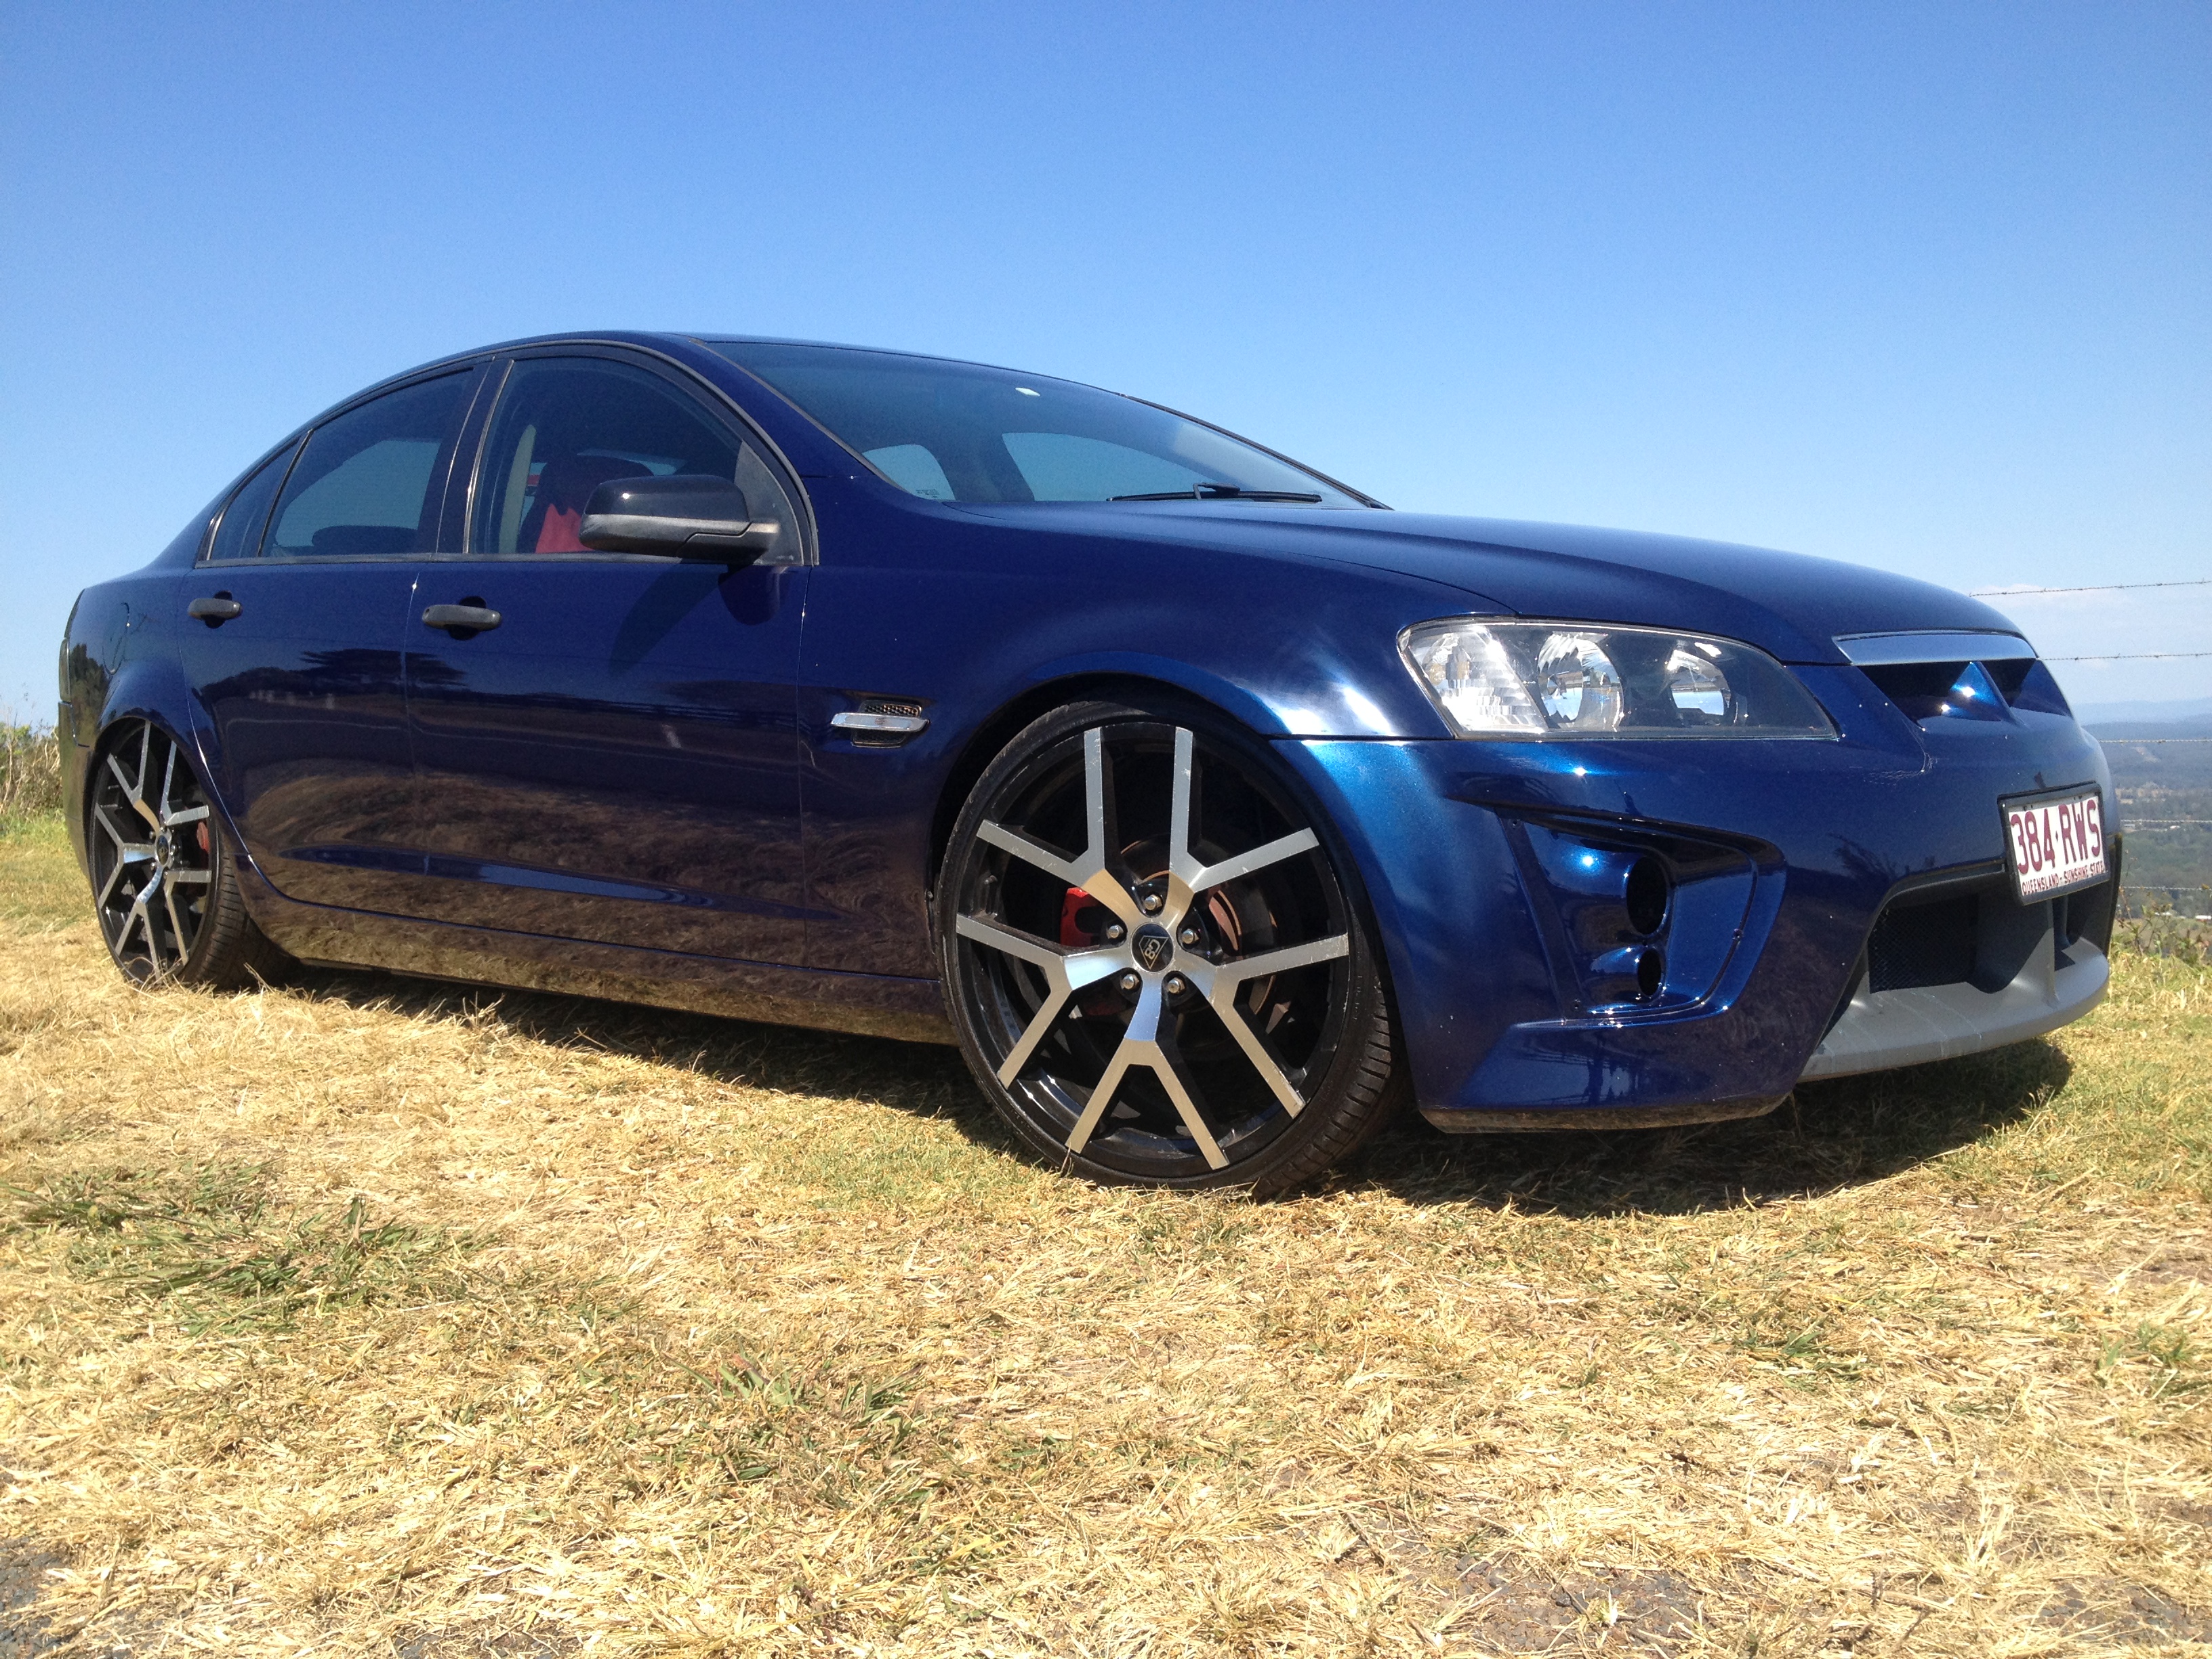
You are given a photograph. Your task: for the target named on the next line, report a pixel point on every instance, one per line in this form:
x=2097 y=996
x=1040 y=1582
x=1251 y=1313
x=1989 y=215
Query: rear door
x=616 y=759
x=292 y=637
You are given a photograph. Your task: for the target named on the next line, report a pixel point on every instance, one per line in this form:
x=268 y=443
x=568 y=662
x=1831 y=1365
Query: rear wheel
x=1158 y=968
x=163 y=883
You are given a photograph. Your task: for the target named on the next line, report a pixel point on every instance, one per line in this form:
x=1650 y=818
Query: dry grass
x=30 y=772
x=368 y=1316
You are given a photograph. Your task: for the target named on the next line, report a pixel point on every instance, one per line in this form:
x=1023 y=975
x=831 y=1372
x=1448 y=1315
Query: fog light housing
x=1646 y=894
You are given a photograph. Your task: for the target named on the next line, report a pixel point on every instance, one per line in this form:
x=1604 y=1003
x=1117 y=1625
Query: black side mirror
x=686 y=515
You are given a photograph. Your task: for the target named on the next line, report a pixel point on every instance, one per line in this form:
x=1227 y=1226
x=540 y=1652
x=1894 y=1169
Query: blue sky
x=1928 y=287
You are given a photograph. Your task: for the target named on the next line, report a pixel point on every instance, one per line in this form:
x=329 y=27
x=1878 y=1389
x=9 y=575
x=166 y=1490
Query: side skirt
x=863 y=1004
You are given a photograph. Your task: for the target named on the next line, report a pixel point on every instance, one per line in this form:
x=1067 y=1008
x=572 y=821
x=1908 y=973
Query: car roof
x=685 y=337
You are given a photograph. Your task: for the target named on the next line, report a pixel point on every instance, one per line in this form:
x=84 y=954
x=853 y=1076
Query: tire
x=164 y=880
x=1191 y=998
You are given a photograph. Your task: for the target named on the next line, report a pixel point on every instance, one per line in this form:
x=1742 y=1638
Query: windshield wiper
x=1221 y=492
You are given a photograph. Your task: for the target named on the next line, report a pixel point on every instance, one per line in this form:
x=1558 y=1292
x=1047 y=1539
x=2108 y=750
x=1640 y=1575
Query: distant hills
x=2166 y=799
x=2180 y=708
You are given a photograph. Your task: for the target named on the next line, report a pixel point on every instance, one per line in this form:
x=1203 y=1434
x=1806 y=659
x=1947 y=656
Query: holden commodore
x=1211 y=808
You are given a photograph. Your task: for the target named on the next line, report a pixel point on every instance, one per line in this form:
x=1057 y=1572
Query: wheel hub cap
x=1153 y=948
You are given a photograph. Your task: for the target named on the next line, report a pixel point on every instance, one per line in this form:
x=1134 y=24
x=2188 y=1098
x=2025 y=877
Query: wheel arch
x=146 y=688
x=992 y=733
x=135 y=697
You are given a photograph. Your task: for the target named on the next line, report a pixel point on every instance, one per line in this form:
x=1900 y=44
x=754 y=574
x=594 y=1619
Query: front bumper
x=1785 y=855
x=2034 y=968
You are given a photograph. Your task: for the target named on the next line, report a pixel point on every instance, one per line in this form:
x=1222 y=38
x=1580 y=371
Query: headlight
x=1550 y=679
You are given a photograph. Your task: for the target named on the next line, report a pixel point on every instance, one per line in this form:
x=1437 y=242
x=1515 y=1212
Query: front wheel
x=163 y=883
x=1156 y=962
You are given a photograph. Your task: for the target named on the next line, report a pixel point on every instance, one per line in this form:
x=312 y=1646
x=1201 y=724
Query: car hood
x=1790 y=604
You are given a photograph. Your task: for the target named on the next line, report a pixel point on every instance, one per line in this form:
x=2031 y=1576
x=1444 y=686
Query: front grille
x=1931 y=943
x=1917 y=688
x=1933 y=691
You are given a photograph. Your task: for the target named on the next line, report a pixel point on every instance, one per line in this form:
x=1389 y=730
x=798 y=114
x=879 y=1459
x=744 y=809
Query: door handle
x=215 y=612
x=462 y=620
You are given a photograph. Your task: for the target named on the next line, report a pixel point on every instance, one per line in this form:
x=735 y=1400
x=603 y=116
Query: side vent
x=881 y=723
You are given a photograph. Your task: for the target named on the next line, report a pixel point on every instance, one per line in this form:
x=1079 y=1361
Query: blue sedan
x=1211 y=808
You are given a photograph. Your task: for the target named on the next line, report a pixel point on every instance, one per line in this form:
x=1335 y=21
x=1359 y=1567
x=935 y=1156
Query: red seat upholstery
x=564 y=485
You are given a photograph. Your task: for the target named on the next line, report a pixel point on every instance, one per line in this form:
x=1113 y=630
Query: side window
x=239 y=534
x=567 y=425
x=368 y=480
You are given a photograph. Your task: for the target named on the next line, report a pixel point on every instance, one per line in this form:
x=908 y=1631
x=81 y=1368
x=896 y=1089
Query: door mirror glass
x=686 y=514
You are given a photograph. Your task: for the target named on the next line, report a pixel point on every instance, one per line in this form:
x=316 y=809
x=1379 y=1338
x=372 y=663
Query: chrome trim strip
x=1878 y=650
x=852 y=719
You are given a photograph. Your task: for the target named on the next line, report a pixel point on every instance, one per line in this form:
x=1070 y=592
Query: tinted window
x=239 y=535
x=567 y=425
x=368 y=480
x=960 y=432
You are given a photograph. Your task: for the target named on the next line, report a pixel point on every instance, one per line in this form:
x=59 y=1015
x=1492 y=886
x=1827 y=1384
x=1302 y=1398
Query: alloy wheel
x=1155 y=957
x=152 y=853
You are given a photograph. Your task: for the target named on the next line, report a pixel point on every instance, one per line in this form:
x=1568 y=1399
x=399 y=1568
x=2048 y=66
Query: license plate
x=2055 y=844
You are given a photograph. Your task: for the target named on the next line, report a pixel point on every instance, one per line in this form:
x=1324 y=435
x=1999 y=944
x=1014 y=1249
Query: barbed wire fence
x=2094 y=587
x=2156 y=824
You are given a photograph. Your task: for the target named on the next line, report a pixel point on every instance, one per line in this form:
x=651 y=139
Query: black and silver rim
x=153 y=863
x=1165 y=1001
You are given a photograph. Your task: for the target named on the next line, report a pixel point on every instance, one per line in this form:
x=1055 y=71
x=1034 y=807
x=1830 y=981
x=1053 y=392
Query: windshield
x=959 y=432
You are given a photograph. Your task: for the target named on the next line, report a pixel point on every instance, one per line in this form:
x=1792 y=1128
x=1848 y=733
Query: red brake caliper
x=1071 y=933
x=1082 y=919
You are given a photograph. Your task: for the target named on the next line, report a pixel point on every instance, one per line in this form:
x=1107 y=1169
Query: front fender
x=1315 y=700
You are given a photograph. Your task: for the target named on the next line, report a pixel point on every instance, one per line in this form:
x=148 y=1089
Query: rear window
x=239 y=534
x=368 y=480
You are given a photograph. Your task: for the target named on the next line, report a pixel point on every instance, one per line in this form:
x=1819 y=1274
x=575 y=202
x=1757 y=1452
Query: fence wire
x=2100 y=587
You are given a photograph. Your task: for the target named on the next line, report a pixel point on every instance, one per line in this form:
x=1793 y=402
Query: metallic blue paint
x=300 y=714
x=632 y=787
x=637 y=707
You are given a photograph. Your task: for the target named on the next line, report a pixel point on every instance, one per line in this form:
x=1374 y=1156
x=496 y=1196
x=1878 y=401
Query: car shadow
x=1827 y=1136
x=926 y=1079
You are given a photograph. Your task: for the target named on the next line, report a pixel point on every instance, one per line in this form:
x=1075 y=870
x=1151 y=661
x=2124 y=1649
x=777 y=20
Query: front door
x=292 y=641
x=616 y=759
